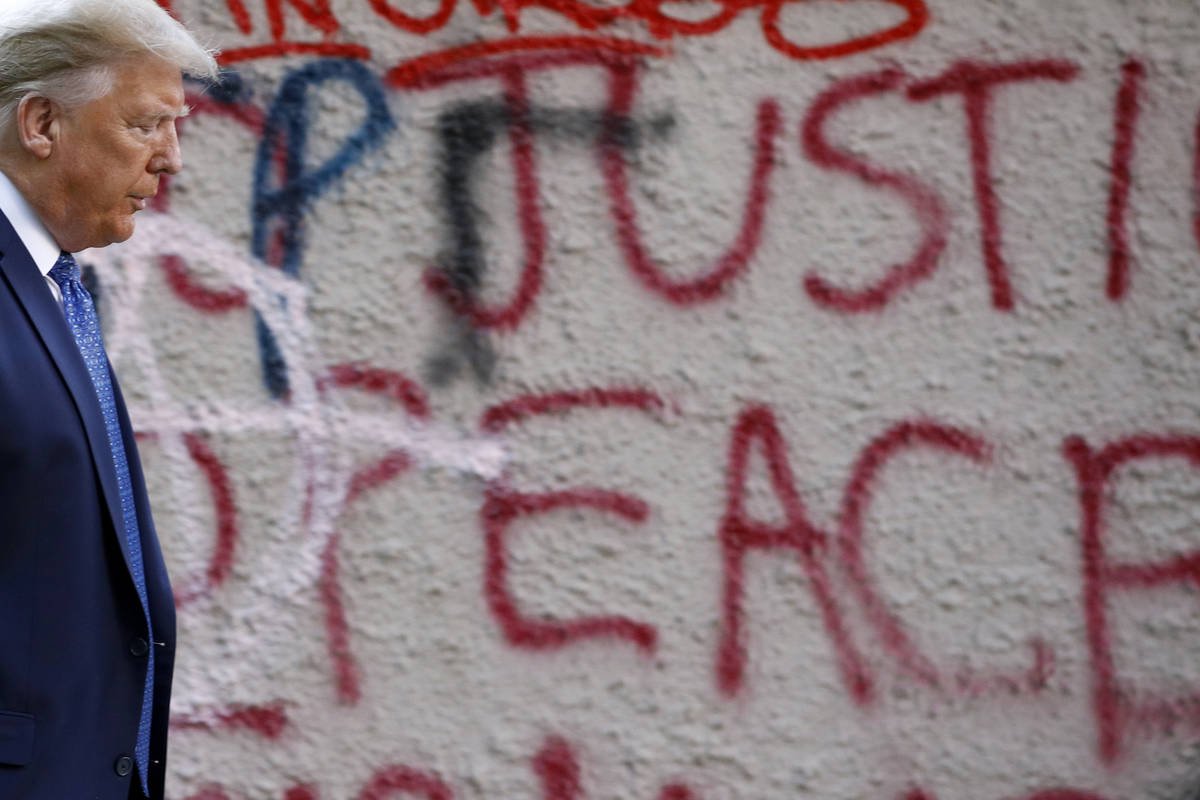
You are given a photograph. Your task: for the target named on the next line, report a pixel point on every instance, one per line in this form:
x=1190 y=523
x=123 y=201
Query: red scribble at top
x=317 y=14
x=478 y=59
x=650 y=16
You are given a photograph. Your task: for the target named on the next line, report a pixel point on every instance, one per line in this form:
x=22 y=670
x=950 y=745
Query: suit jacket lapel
x=47 y=318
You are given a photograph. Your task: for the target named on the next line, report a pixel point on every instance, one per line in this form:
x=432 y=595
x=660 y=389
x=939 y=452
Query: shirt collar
x=33 y=234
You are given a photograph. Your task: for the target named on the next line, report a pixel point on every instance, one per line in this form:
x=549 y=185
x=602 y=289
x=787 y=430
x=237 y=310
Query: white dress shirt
x=33 y=234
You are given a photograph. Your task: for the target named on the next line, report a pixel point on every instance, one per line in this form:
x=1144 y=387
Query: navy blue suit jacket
x=73 y=636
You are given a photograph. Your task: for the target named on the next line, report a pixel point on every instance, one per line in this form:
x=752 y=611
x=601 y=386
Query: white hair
x=64 y=49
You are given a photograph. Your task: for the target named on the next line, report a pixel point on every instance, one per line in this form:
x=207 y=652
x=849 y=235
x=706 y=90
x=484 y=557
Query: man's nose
x=168 y=158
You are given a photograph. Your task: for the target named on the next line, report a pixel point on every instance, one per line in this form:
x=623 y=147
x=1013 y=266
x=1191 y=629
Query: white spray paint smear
x=320 y=425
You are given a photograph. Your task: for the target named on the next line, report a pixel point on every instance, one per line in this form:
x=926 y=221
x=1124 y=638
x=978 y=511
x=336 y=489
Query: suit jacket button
x=124 y=766
x=139 y=647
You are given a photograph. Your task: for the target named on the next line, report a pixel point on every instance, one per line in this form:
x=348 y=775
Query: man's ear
x=38 y=124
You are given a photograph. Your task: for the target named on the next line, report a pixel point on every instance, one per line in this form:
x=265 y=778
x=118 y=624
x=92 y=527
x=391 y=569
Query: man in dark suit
x=89 y=94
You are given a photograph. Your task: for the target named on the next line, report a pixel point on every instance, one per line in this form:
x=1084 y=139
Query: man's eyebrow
x=173 y=113
x=163 y=113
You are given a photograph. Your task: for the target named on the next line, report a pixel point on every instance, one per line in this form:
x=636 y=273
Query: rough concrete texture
x=741 y=399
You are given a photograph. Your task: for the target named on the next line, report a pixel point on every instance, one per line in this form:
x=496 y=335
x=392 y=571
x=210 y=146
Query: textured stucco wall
x=551 y=401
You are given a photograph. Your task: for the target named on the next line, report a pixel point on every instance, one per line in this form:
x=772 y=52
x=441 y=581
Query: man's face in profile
x=111 y=152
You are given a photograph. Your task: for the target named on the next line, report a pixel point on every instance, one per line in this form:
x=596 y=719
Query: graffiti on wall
x=837 y=556
x=843 y=547
x=285 y=188
x=652 y=16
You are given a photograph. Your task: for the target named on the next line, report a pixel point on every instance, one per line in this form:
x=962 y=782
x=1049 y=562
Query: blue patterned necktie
x=81 y=317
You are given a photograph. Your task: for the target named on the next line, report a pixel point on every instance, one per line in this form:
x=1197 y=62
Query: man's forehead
x=149 y=85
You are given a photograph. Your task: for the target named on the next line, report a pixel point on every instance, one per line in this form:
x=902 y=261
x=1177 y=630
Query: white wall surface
x=968 y=553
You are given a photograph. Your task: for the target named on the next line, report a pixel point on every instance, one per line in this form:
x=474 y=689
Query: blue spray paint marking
x=230 y=87
x=287 y=126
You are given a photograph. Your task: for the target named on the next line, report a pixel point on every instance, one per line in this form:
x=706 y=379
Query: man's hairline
x=107 y=68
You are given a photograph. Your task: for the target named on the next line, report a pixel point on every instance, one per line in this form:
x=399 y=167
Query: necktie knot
x=65 y=270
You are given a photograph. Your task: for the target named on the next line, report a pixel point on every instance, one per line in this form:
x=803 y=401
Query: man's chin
x=105 y=238
x=121 y=233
